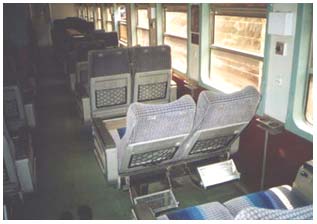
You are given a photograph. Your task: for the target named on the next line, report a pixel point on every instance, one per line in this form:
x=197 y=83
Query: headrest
x=152 y=58
x=82 y=48
x=219 y=109
x=110 y=61
x=110 y=39
x=154 y=121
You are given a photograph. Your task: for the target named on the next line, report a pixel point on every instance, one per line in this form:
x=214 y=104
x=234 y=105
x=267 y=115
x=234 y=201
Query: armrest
x=143 y=212
x=104 y=134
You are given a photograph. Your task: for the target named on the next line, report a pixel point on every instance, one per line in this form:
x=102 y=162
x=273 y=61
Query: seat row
x=119 y=76
x=160 y=135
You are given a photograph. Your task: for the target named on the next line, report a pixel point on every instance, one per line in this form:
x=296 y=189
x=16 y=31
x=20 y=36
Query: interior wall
x=62 y=10
x=280 y=69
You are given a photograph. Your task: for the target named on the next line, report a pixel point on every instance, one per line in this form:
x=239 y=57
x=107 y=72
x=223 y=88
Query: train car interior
x=158 y=111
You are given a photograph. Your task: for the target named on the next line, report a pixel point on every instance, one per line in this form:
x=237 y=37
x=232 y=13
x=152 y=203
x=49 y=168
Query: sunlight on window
x=143 y=33
x=237 y=52
x=176 y=37
x=245 y=34
x=234 y=72
x=176 y=24
x=143 y=18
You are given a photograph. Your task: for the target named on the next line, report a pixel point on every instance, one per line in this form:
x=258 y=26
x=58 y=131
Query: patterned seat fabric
x=228 y=113
x=110 y=82
x=253 y=213
x=152 y=72
x=276 y=203
x=210 y=211
x=281 y=197
x=151 y=122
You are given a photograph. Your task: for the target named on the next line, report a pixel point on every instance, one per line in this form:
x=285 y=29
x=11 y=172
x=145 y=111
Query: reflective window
x=237 y=48
x=175 y=36
x=98 y=22
x=123 y=29
x=107 y=22
x=143 y=33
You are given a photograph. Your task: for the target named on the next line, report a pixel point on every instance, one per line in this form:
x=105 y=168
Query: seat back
x=80 y=52
x=13 y=107
x=219 y=120
x=151 y=73
x=109 y=39
x=153 y=134
x=110 y=82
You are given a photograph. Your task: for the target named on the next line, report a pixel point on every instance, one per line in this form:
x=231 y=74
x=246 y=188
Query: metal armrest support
x=143 y=212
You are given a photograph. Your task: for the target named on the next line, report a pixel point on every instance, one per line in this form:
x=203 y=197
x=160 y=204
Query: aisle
x=68 y=174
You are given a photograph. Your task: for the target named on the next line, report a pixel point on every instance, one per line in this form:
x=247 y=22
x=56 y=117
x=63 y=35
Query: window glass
x=143 y=37
x=176 y=37
x=176 y=23
x=99 y=19
x=107 y=23
x=123 y=29
x=143 y=33
x=232 y=71
x=143 y=18
x=123 y=14
x=237 y=51
x=240 y=33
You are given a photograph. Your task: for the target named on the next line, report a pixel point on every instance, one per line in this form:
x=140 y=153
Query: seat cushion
x=302 y=213
x=208 y=211
x=281 y=197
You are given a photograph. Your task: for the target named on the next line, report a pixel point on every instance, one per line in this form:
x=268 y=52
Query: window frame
x=176 y=8
x=236 y=10
x=295 y=120
x=310 y=75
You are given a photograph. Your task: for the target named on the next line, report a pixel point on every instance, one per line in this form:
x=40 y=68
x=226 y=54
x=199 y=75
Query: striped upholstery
x=281 y=197
x=276 y=203
x=209 y=211
x=253 y=213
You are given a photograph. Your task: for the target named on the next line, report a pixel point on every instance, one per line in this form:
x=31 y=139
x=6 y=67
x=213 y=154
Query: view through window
x=143 y=33
x=175 y=36
x=237 y=50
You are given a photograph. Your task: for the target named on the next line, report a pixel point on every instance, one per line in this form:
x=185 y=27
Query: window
x=237 y=45
x=107 y=22
x=309 y=101
x=142 y=30
x=80 y=11
x=123 y=29
x=98 y=22
x=175 y=35
x=85 y=12
x=91 y=16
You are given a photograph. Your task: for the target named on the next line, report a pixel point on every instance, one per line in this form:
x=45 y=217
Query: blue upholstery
x=281 y=197
x=276 y=203
x=253 y=213
x=213 y=210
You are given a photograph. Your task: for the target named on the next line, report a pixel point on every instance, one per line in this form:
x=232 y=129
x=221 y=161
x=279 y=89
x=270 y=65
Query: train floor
x=68 y=174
